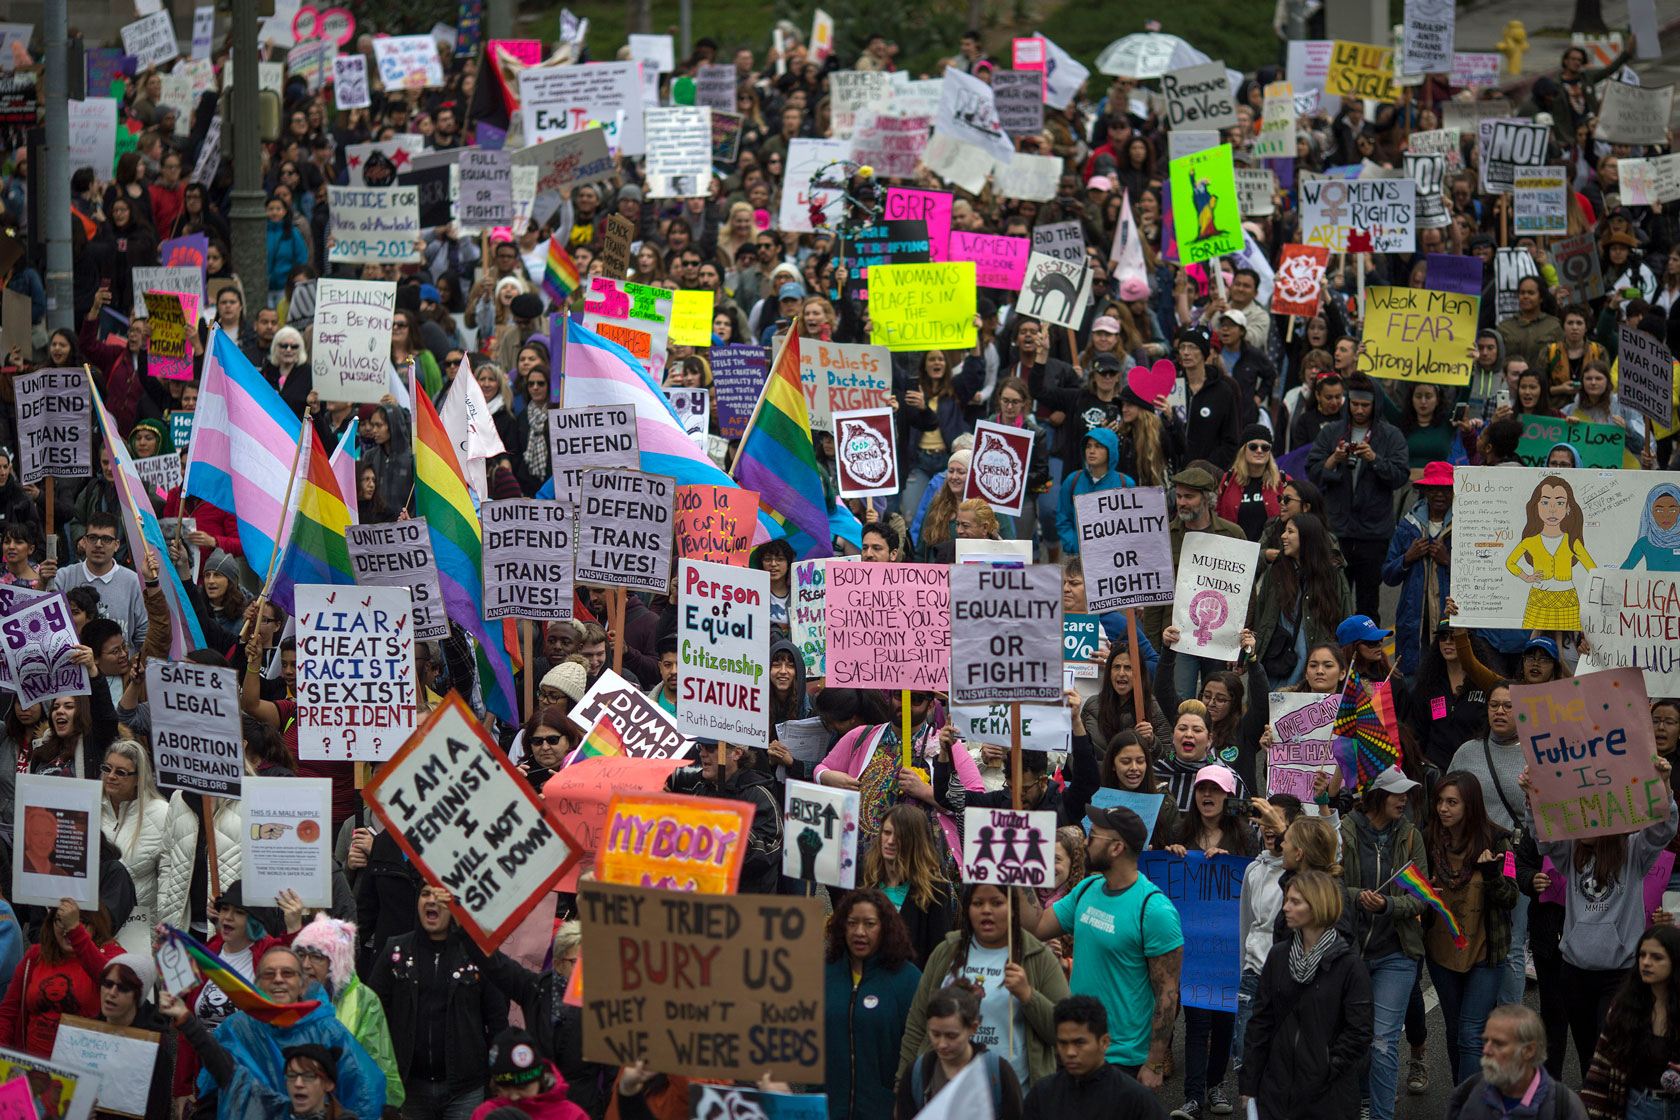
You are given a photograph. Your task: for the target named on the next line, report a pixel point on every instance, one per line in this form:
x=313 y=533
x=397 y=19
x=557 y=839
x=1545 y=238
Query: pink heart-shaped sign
x=1152 y=382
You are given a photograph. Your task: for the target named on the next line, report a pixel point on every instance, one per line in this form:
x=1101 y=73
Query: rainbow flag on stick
x=1368 y=741
x=316 y=552
x=777 y=459
x=175 y=945
x=603 y=740
x=1413 y=882
x=560 y=275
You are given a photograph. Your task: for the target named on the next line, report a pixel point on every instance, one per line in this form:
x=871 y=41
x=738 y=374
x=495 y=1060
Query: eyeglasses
x=278 y=974
x=1259 y=447
x=547 y=740
x=114 y=772
x=303 y=1077
x=99 y=538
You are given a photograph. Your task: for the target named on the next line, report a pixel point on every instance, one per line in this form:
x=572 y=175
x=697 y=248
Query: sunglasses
x=547 y=740
x=1259 y=447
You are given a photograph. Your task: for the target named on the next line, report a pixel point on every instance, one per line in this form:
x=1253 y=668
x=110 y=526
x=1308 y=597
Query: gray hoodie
x=1602 y=923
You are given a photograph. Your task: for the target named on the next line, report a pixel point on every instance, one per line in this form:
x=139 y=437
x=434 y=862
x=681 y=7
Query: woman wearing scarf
x=1310 y=1034
x=530 y=433
x=1659 y=531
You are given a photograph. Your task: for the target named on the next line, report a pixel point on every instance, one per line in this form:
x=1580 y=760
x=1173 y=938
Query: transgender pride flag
x=600 y=372
x=244 y=443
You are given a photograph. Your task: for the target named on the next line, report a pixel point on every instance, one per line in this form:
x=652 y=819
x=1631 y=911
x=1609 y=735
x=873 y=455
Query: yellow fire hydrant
x=1514 y=45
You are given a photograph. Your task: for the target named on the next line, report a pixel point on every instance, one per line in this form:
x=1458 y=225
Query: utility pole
x=61 y=289
x=498 y=19
x=685 y=28
x=244 y=132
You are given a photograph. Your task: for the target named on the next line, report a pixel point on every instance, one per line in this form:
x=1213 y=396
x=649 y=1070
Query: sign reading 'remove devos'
x=1006 y=633
x=713 y=986
x=888 y=626
x=1588 y=745
x=471 y=823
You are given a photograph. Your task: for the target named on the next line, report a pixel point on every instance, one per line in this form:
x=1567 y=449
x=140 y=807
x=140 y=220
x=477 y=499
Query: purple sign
x=191 y=251
x=489 y=137
x=106 y=65
x=1446 y=273
x=738 y=373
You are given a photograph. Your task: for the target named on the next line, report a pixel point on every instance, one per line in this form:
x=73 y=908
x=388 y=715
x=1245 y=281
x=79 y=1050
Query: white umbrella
x=1148 y=54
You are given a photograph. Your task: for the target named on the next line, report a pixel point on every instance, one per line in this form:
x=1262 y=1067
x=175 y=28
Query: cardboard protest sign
x=1508 y=145
x=889 y=626
x=1360 y=70
x=1277 y=122
x=851 y=94
x=1598 y=445
x=1125 y=550
x=486 y=187
x=738 y=373
x=1255 y=187
x=971 y=550
x=1413 y=334
x=1645 y=380
x=923 y=306
x=527 y=559
x=999 y=262
x=1476 y=69
x=1068 y=282
x=1210 y=601
x=1632 y=618
x=198 y=745
x=890 y=142
x=355 y=671
x=679 y=150
x=840 y=376
x=160 y=473
x=1429 y=26
x=407 y=61
x=559 y=100
x=1019 y=97
x=807 y=613
x=915 y=204
x=805 y=157
x=663 y=970
x=374 y=226
x=1006 y=633
x=624 y=529
x=714 y=86
x=635 y=316
x=723 y=652
x=1646 y=182
x=1044 y=727
x=578 y=796
x=595 y=438
x=968 y=113
x=1610 y=518
x=1542 y=195
x=350 y=82
x=39 y=641
x=1510 y=265
x=866 y=453
x=1207 y=893
x=124 y=1057
x=1577 y=264
x=674 y=842
x=715 y=523
x=1200 y=97
x=287 y=840
x=14 y=596
x=399 y=554
x=1303 y=729
x=1429 y=172
x=890 y=242
x=1299 y=280
x=1588 y=744
x=1384 y=209
x=1009 y=848
x=568 y=161
x=1063 y=240
x=170 y=346
x=1205 y=215
x=54 y=424
x=997 y=473
x=470 y=823
x=646 y=729
x=352 y=356
x=55 y=842
x=36 y=1088
x=150 y=41
x=820 y=834
x=1634 y=114
x=93 y=132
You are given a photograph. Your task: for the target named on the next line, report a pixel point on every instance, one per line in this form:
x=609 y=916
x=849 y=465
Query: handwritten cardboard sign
x=674 y=842
x=470 y=823
x=1044 y=727
x=1589 y=748
x=820 y=834
x=39 y=640
x=1599 y=445
x=1413 y=334
x=1632 y=619
x=197 y=742
x=374 y=225
x=705 y=987
x=1207 y=893
x=1127 y=554
x=723 y=652
x=1303 y=729
x=124 y=1057
x=355 y=671
x=889 y=626
x=1009 y=848
x=579 y=794
x=527 y=559
x=716 y=523
x=352 y=356
x=1006 y=633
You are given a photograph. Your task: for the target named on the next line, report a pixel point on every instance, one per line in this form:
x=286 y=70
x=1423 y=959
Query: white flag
x=466 y=419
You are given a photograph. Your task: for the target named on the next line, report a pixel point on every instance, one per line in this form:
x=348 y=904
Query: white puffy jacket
x=141 y=855
x=180 y=835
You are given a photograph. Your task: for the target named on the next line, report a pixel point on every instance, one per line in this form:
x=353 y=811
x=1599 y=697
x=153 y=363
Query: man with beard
x=1514 y=1082
x=1127 y=943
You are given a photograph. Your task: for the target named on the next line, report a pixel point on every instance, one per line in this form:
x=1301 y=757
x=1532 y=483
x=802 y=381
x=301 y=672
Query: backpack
x=993 y=1078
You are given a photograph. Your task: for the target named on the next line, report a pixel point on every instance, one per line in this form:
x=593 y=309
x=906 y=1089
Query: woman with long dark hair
x=869 y=983
x=1016 y=975
x=1131 y=766
x=1114 y=708
x=1446 y=701
x=1632 y=1071
x=1296 y=496
x=1467 y=860
x=1300 y=600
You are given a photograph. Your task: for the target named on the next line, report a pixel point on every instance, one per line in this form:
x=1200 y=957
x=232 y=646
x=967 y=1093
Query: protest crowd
x=765 y=583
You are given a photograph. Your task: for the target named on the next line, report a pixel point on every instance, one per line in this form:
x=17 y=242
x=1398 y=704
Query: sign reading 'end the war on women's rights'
x=1590 y=751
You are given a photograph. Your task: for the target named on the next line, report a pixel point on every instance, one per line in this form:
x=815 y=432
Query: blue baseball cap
x=1543 y=643
x=1359 y=628
x=791 y=291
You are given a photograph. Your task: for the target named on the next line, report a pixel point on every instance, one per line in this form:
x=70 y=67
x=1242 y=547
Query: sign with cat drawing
x=1055 y=291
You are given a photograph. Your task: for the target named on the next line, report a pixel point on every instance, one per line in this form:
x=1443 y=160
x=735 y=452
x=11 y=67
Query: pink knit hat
x=337 y=941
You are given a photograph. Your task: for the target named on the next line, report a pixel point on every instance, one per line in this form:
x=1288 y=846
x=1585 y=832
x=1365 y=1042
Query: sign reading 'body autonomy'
x=888 y=626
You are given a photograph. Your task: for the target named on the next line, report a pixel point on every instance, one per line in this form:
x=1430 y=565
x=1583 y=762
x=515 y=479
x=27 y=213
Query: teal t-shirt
x=1113 y=933
x=897 y=894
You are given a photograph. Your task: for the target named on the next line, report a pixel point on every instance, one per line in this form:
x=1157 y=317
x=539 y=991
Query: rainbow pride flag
x=239 y=991
x=442 y=498
x=316 y=551
x=560 y=274
x=1413 y=882
x=1373 y=743
x=777 y=459
x=603 y=739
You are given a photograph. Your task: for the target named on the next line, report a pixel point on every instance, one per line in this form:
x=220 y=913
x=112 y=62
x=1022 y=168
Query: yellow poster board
x=922 y=306
x=1412 y=334
x=1361 y=70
